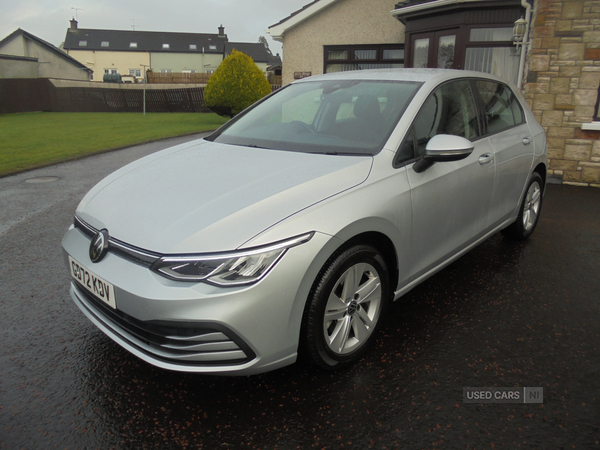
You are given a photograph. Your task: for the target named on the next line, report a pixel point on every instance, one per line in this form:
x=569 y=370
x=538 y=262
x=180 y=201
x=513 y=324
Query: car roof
x=410 y=75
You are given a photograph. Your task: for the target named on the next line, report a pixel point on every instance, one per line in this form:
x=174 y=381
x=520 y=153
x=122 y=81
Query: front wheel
x=345 y=306
x=529 y=210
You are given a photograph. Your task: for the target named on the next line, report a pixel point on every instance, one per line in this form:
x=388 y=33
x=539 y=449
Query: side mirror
x=444 y=148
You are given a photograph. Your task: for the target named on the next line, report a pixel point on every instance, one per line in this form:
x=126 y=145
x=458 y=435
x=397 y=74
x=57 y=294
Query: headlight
x=229 y=269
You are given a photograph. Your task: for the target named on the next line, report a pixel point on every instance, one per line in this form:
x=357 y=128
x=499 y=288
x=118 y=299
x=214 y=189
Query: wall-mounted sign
x=300 y=75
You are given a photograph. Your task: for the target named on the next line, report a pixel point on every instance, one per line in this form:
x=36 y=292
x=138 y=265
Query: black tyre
x=529 y=211
x=345 y=306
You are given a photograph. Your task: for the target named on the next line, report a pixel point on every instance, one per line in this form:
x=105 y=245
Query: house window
x=341 y=58
x=166 y=46
x=111 y=71
x=193 y=47
x=595 y=124
x=491 y=50
x=212 y=47
x=104 y=44
x=133 y=45
x=491 y=34
x=188 y=71
x=166 y=70
x=597 y=110
x=82 y=43
x=135 y=72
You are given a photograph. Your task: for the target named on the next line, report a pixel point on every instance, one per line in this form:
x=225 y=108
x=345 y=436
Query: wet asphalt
x=506 y=314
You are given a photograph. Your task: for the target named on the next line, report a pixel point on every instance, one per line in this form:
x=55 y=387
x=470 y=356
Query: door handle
x=526 y=140
x=486 y=159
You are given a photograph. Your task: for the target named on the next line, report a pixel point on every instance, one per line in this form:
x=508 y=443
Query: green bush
x=236 y=84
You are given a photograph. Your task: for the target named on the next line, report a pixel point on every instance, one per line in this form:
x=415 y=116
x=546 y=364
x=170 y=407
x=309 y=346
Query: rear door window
x=500 y=106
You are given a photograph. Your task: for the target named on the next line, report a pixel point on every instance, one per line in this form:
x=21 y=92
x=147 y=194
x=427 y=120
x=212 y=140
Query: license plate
x=100 y=288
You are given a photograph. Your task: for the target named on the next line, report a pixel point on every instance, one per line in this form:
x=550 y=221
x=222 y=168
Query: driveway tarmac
x=506 y=314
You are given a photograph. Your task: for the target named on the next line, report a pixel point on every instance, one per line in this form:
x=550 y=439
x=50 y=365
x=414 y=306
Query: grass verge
x=36 y=139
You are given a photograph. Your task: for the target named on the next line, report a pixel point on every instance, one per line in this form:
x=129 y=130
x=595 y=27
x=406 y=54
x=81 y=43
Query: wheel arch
x=542 y=171
x=372 y=240
x=383 y=244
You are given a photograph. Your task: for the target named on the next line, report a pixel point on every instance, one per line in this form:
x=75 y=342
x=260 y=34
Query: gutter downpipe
x=525 y=46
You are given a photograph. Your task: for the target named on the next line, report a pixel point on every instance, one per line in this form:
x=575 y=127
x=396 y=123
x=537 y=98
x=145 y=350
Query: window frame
x=379 y=48
x=596 y=117
x=482 y=121
x=594 y=125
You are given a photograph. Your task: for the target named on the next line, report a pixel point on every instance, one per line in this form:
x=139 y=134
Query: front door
x=450 y=200
x=435 y=50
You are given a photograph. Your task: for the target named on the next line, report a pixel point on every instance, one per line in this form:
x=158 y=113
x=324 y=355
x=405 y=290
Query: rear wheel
x=529 y=211
x=345 y=306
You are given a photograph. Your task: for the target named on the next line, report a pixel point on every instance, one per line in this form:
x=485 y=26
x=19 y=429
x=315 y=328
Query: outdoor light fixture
x=519 y=31
x=518 y=34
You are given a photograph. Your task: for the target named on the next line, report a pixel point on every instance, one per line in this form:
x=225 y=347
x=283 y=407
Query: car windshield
x=335 y=117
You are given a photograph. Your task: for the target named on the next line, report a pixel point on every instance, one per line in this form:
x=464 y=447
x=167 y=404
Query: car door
x=450 y=200
x=512 y=143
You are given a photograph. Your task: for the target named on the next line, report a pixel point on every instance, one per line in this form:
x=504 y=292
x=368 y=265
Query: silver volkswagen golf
x=291 y=228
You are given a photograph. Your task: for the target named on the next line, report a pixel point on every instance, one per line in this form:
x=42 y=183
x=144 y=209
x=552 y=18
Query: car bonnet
x=209 y=197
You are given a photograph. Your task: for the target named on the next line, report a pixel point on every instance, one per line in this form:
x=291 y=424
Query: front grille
x=129 y=252
x=176 y=342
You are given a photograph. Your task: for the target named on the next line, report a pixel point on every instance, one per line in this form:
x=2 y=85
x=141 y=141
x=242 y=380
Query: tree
x=236 y=84
x=263 y=40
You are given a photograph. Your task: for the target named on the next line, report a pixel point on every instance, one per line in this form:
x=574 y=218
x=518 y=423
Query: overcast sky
x=244 y=20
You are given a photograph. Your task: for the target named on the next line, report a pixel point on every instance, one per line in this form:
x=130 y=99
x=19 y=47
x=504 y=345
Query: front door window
x=446 y=47
x=435 y=50
x=421 y=53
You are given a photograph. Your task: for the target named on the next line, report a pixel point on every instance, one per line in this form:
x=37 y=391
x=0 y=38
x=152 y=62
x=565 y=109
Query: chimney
x=73 y=24
x=222 y=31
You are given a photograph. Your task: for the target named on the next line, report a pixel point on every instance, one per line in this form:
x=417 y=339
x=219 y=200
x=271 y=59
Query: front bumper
x=196 y=327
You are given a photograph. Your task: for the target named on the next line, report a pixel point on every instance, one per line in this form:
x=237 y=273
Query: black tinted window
x=448 y=110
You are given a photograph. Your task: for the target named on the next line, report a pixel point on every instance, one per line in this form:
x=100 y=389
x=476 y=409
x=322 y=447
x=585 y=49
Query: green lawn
x=36 y=139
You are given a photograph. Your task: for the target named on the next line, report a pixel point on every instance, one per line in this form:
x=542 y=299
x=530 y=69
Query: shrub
x=236 y=84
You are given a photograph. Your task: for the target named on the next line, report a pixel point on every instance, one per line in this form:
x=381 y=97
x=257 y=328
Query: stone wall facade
x=562 y=86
